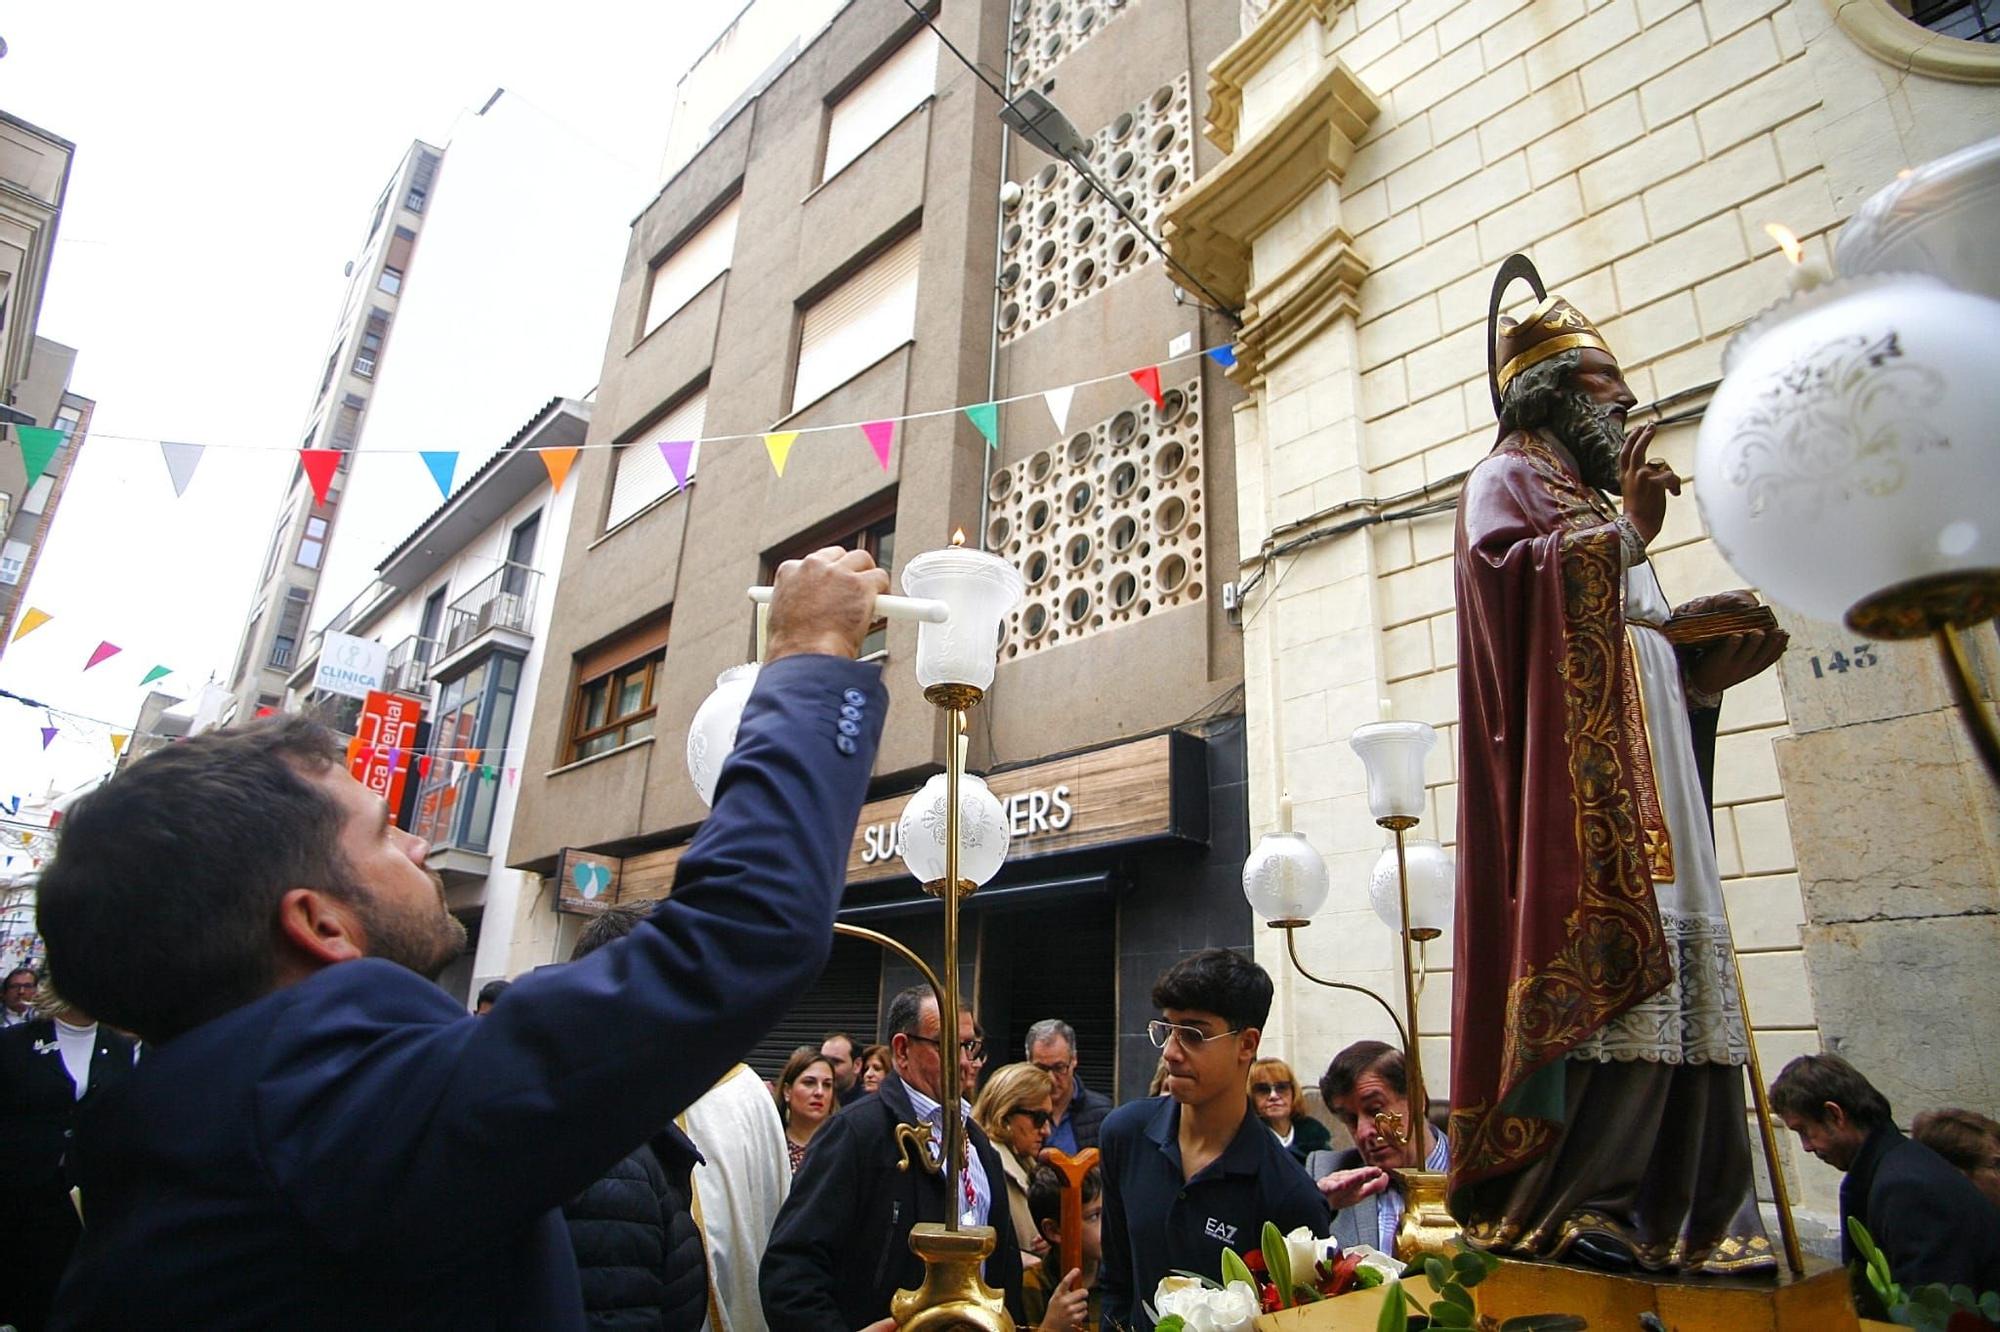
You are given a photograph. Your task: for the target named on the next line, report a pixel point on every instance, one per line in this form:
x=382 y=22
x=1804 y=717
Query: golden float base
x=1429 y=1229
x=1816 y=1302
x=952 y=1295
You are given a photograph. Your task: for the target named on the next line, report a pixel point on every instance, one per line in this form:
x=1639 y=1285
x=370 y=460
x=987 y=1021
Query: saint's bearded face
x=1593 y=432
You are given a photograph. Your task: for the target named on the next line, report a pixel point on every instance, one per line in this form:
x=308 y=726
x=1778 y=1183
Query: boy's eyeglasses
x=1161 y=1031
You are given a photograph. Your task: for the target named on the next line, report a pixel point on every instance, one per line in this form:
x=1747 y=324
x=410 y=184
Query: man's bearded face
x=1593 y=431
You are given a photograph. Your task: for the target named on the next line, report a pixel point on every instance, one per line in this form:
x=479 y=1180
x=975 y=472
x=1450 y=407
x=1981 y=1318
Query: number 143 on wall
x=1838 y=662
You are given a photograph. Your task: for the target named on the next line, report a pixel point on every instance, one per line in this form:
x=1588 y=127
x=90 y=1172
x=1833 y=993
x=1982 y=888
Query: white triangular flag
x=1058 y=401
x=457 y=771
x=181 y=460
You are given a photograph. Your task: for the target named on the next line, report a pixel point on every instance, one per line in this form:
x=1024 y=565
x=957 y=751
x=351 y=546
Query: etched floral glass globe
x=983 y=832
x=1284 y=879
x=1433 y=887
x=713 y=733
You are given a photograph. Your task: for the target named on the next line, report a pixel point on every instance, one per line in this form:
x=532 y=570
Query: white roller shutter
x=641 y=473
x=872 y=107
x=699 y=260
x=857 y=323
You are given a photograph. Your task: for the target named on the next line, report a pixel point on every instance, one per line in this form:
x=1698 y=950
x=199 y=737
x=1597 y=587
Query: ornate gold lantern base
x=952 y=1295
x=1428 y=1229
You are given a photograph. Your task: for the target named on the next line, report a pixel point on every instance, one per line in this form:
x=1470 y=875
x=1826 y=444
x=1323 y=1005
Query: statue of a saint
x=1598 y=1036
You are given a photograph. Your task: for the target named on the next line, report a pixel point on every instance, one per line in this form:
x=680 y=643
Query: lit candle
x=1805 y=275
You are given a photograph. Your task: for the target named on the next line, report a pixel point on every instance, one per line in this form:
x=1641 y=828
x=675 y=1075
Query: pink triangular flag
x=679 y=453
x=881 y=437
x=1149 y=380
x=513 y=775
x=105 y=650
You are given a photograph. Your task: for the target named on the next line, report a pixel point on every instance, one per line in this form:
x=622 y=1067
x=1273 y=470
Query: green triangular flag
x=987 y=417
x=157 y=673
x=38 y=445
x=486 y=773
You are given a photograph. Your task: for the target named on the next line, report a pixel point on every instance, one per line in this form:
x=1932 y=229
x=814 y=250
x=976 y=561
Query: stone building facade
x=1384 y=157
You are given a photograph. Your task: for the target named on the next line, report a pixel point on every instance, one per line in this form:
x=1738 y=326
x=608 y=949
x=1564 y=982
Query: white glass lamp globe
x=981 y=590
x=1850 y=449
x=1433 y=888
x=983 y=832
x=713 y=732
x=1393 y=752
x=1284 y=879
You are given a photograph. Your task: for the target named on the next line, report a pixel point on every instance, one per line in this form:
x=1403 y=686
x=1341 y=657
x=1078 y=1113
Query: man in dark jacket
x=841 y=1250
x=1930 y=1221
x=1077 y=1110
x=318 y=1137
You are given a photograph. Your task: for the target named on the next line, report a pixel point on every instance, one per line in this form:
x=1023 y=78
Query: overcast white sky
x=228 y=159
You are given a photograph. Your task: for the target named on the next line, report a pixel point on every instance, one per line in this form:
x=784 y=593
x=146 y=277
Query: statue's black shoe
x=1606 y=1253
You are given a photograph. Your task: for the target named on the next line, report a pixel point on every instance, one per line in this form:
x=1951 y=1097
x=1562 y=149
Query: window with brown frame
x=617 y=691
x=874 y=532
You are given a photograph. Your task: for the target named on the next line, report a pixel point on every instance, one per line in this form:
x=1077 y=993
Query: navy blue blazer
x=355 y=1151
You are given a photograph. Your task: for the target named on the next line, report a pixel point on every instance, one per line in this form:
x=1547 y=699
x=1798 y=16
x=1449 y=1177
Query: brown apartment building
x=830 y=255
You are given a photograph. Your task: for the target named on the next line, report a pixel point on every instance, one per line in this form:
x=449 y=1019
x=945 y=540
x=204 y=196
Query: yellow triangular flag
x=118 y=740
x=779 y=446
x=31 y=620
x=558 y=461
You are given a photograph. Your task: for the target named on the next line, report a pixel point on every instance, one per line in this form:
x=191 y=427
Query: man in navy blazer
x=318 y=1136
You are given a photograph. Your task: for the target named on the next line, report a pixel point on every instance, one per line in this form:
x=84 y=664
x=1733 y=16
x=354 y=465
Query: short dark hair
x=853 y=1046
x=1217 y=981
x=1529 y=399
x=158 y=908
x=1805 y=1085
x=490 y=992
x=29 y=972
x=1045 y=1193
x=1385 y=1061
x=906 y=1011
x=607 y=926
x=1966 y=1138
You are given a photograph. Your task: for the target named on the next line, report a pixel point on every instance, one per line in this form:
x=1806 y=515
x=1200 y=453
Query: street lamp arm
x=1292 y=947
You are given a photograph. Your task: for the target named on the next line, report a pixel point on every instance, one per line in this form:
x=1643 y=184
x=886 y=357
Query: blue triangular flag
x=1222 y=356
x=442 y=465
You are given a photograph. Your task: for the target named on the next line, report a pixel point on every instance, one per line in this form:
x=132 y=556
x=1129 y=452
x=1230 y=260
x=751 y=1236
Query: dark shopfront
x=1124 y=859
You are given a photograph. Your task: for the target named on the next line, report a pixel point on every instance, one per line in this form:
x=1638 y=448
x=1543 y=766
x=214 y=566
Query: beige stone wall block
x=1576 y=44
x=1364 y=208
x=1728 y=855
x=1434 y=81
x=1540 y=114
x=1378 y=156
x=1683 y=523
x=1662 y=45
x=1528 y=28
x=1429 y=698
x=1434 y=989
x=1399 y=234
x=1652 y=331
x=1726 y=16
x=1462 y=304
x=1368 y=13
x=1652 y=11
x=1325 y=613
x=1432 y=535
x=1443 y=364
x=1785 y=27
x=1417 y=592
x=1805 y=205
x=1744 y=172
x=1775 y=989
x=1756 y=702
x=1422 y=425
x=1383 y=390
x=1700 y=364
x=1658 y=156
x=1763 y=837
x=1498 y=91
x=1745 y=768
x=1390 y=543
x=1463 y=454
x=1579 y=256
x=1694 y=570
x=1418 y=276
x=1726 y=302
x=1397 y=333
x=1443 y=823
x=1495 y=187
x=1468 y=20
x=1332 y=400
x=1413 y=15
x=1395 y=479
x=1305 y=720
x=1765 y=913
x=1444 y=639
x=1833 y=678
x=1406 y=650
x=1581 y=142
x=1681 y=261
x=1769 y=101
x=1546 y=211
x=1901 y=823
x=1700 y=79
x=1318 y=566
x=1371 y=44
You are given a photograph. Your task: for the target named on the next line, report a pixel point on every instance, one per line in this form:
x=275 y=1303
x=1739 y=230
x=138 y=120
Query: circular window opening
x=1080 y=276
x=1081 y=447
x=1164 y=178
x=1045 y=177
x=1052 y=47
x=1080 y=496
x=1009 y=275
x=1045 y=254
x=1046 y=213
x=1163 y=97
x=1019 y=41
x=1045 y=295
x=1077 y=605
x=1124 y=588
x=998 y=531
x=1163 y=138
x=1035 y=620
x=1169 y=459
x=1037 y=568
x=1079 y=191
x=1041 y=465
x=1123 y=478
x=1084 y=228
x=1078 y=551
x=1121 y=126
x=1001 y=486
x=1170 y=515
x=1123 y=248
x=1123 y=427
x=1013 y=234
x=1038 y=516
x=1173 y=572
x=1010 y=315
x=1172 y=403
x=1123 y=531
x=1084 y=18
x=1052 y=14
x=1121 y=165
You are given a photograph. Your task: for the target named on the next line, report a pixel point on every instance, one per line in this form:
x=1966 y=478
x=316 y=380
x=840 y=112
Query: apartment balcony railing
x=503 y=600
x=409 y=668
x=282 y=650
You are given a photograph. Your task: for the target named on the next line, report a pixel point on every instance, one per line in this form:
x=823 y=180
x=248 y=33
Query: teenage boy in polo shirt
x=1194 y=1172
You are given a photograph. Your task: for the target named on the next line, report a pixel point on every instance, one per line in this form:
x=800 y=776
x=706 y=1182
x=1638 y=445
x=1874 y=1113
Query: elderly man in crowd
x=1051 y=1047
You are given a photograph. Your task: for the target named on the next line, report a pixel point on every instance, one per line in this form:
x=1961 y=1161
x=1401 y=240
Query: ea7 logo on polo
x=1217 y=1230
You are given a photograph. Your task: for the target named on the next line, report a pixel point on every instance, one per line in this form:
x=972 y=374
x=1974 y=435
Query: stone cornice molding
x=1210 y=227
x=1319 y=287
x=1876 y=27
x=1231 y=71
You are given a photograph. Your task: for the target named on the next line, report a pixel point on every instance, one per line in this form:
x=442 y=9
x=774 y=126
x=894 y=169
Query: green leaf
x=1989 y=1304
x=1395 y=1316
x=1472 y=1268
x=1278 y=1263
x=1367 y=1278
x=1454 y=1294
x=1235 y=1269
x=1305 y=1295
x=1438 y=1273
x=1411 y=1270
x=1544 y=1323
x=1171 y=1323
x=1444 y=1314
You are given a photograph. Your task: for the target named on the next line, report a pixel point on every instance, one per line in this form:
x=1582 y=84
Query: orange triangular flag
x=353 y=750
x=31 y=620
x=472 y=757
x=558 y=462
x=779 y=446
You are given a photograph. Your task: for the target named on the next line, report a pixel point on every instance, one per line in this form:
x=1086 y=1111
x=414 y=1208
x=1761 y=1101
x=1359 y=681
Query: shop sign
x=387 y=730
x=350 y=666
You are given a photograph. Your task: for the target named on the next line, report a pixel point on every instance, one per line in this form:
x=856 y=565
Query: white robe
x=740 y=1186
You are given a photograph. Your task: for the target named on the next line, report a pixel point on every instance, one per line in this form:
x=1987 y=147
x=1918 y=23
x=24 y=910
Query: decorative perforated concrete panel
x=1047 y=30
x=1106 y=527
x=1064 y=242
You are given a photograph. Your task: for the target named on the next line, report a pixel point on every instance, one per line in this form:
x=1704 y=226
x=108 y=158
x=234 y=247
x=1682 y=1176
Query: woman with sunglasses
x=1274 y=1095
x=1014 y=1107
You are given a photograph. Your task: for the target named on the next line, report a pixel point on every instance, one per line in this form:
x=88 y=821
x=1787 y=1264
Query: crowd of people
x=280 y=1121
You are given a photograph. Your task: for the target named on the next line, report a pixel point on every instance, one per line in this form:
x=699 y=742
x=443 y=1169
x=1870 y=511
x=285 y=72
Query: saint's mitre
x=1553 y=326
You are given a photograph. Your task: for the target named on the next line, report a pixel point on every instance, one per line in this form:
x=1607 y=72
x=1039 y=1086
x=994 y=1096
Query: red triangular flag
x=881 y=434
x=104 y=649
x=320 y=465
x=1149 y=380
x=424 y=767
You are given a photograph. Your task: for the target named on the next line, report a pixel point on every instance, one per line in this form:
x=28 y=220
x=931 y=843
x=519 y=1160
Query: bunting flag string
x=48 y=736
x=557 y=461
x=157 y=673
x=779 y=446
x=442 y=465
x=1149 y=380
x=104 y=651
x=181 y=460
x=679 y=454
x=320 y=465
x=118 y=739
x=31 y=620
x=38 y=446
x=986 y=416
x=1058 y=401
x=881 y=437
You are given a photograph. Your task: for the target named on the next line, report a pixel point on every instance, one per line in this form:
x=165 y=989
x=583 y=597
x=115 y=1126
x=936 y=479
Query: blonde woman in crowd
x=1274 y=1095
x=1014 y=1108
